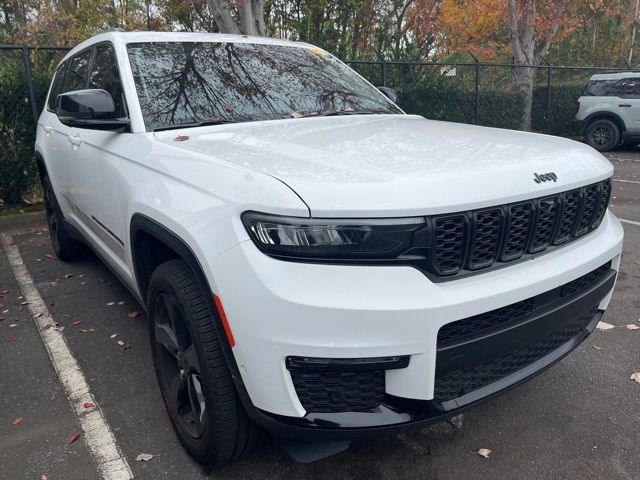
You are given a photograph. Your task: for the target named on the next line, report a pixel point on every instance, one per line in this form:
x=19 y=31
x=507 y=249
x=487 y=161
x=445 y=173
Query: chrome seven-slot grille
x=479 y=239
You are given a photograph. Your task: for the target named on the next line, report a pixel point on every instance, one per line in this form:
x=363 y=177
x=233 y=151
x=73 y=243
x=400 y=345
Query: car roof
x=121 y=38
x=615 y=75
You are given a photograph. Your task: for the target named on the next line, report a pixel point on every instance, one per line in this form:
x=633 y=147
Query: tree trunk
x=258 y=13
x=524 y=78
x=633 y=33
x=527 y=51
x=221 y=12
x=247 y=24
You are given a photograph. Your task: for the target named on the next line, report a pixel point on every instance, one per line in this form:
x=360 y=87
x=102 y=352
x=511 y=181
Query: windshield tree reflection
x=188 y=83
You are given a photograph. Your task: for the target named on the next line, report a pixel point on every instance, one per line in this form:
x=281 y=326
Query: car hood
x=397 y=165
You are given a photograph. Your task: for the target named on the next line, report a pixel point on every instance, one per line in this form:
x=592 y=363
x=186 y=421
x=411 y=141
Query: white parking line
x=630 y=222
x=626 y=181
x=111 y=463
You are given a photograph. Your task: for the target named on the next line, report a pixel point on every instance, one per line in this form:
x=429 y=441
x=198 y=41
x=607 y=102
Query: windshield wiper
x=332 y=113
x=203 y=123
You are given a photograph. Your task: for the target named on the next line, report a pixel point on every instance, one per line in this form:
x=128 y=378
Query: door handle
x=48 y=128
x=76 y=140
x=626 y=105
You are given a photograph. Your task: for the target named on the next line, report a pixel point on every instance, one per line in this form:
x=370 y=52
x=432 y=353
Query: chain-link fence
x=497 y=95
x=25 y=73
x=494 y=95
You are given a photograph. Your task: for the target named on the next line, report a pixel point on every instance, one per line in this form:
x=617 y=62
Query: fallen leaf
x=11 y=339
x=134 y=314
x=144 y=457
x=635 y=376
x=77 y=322
x=24 y=303
x=631 y=326
x=1 y=319
x=13 y=325
x=597 y=347
x=228 y=107
x=295 y=115
x=81 y=275
x=484 y=452
x=43 y=477
x=68 y=275
x=181 y=138
x=114 y=335
x=91 y=330
x=21 y=308
x=74 y=437
x=120 y=303
x=37 y=315
x=48 y=255
x=88 y=405
x=604 y=326
x=121 y=343
x=82 y=330
x=16 y=421
x=110 y=304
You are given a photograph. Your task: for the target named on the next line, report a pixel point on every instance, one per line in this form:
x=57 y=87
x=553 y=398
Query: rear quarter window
x=602 y=88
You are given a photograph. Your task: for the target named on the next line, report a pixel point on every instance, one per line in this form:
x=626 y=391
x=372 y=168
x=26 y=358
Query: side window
x=56 y=86
x=78 y=72
x=104 y=74
x=630 y=88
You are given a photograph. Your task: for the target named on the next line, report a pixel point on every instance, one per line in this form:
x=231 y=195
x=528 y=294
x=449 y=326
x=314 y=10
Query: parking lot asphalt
x=578 y=420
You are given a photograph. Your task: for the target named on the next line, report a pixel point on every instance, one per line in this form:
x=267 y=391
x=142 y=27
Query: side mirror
x=390 y=93
x=89 y=109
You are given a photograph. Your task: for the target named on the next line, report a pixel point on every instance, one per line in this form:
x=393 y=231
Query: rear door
x=629 y=103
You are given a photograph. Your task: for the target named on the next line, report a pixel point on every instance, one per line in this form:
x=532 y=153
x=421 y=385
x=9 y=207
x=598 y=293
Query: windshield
x=190 y=83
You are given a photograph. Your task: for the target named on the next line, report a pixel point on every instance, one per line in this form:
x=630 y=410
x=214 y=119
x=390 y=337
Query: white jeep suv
x=313 y=261
x=609 y=110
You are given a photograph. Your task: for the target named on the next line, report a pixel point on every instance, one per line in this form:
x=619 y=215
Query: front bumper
x=279 y=309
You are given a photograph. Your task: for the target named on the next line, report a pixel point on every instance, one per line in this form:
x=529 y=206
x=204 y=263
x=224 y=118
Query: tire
x=603 y=135
x=194 y=379
x=65 y=247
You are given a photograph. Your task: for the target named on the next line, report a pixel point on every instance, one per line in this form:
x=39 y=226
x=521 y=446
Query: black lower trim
x=106 y=229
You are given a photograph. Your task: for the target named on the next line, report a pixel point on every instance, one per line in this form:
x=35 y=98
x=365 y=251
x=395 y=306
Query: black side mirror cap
x=390 y=93
x=89 y=109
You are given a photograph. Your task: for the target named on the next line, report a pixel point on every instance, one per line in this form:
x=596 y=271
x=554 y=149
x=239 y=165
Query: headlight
x=332 y=239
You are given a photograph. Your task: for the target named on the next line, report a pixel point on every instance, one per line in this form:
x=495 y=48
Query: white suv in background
x=313 y=261
x=609 y=110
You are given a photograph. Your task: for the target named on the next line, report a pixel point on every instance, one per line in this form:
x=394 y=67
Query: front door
x=97 y=162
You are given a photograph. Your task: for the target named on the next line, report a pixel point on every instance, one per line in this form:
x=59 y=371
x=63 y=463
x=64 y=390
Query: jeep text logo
x=545 y=177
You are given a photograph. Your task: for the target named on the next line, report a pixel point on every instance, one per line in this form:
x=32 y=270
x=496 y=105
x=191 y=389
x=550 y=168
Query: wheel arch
x=143 y=229
x=604 y=116
x=41 y=166
x=152 y=244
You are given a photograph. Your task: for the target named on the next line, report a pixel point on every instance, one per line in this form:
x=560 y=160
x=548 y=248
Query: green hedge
x=17 y=134
x=17 y=129
x=497 y=108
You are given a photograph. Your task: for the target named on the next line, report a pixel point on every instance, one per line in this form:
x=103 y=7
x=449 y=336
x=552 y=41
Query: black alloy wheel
x=603 y=135
x=179 y=367
x=196 y=384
